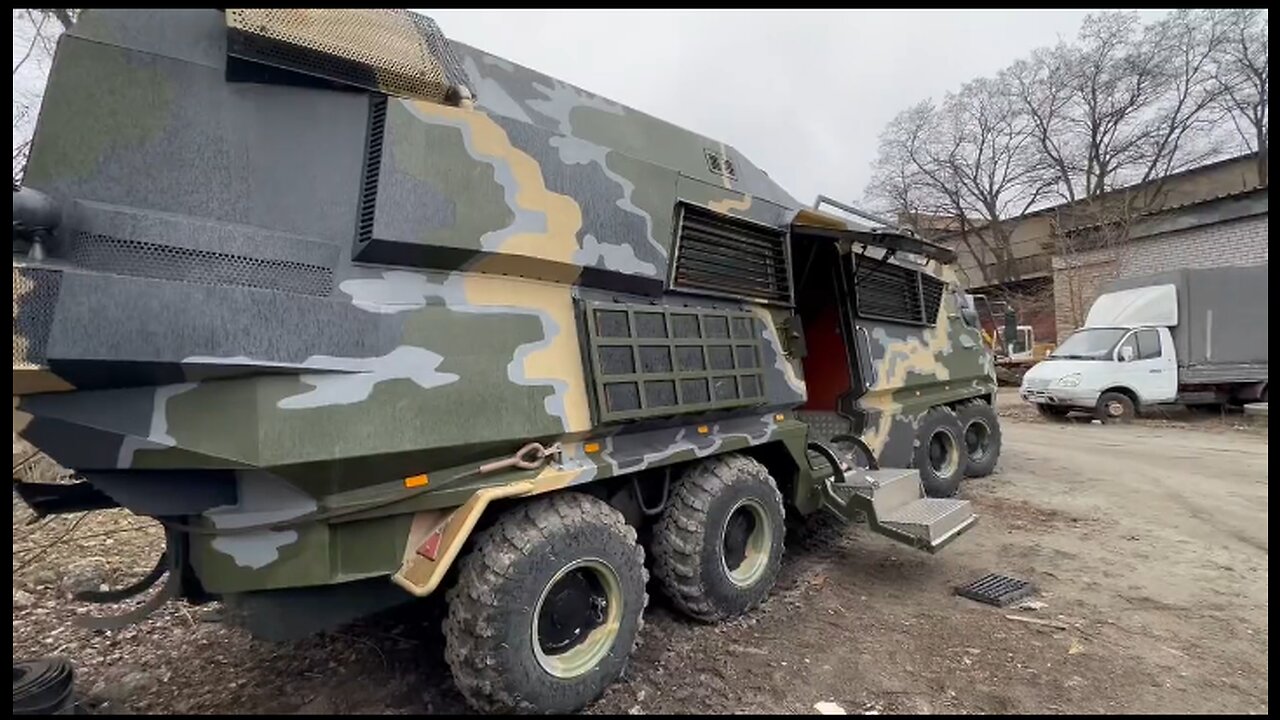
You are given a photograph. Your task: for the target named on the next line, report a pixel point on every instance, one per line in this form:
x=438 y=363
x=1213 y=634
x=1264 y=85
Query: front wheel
x=1114 y=407
x=718 y=546
x=548 y=607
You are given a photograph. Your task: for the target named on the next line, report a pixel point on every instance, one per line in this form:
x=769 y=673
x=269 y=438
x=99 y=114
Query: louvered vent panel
x=931 y=288
x=724 y=256
x=888 y=292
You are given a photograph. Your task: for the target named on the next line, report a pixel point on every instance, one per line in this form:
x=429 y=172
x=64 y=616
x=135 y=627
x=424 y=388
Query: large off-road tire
x=1052 y=413
x=547 y=608
x=982 y=441
x=718 y=546
x=939 y=452
x=1114 y=407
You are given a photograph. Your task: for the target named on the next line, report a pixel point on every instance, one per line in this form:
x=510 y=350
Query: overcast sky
x=803 y=94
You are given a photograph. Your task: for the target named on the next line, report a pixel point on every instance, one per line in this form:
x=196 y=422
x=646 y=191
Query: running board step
x=894 y=503
x=932 y=521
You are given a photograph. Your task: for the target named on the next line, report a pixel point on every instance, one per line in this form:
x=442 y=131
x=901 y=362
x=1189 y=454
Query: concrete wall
x=1031 y=236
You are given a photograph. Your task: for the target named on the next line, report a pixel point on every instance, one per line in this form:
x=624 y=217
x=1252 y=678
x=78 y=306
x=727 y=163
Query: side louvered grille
x=898 y=294
x=719 y=255
x=931 y=288
x=888 y=292
x=372 y=168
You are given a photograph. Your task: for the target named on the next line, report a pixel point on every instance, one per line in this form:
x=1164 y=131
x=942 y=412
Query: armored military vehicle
x=361 y=314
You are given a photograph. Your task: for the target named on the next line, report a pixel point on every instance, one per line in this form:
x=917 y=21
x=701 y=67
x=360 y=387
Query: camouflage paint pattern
x=915 y=369
x=228 y=297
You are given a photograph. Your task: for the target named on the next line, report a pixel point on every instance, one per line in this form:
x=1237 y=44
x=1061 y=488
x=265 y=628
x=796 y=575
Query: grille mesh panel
x=136 y=258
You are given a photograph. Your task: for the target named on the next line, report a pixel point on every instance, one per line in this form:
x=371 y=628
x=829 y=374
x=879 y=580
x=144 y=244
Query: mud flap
x=894 y=503
x=433 y=544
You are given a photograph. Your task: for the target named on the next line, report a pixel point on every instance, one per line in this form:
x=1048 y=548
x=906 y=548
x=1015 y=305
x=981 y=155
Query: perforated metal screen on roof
x=397 y=52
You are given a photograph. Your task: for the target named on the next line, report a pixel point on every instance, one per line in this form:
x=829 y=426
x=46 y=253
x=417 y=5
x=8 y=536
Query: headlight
x=1071 y=380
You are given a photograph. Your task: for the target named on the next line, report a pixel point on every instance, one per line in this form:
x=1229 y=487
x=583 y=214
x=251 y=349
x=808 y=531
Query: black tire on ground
x=939 y=452
x=547 y=608
x=718 y=546
x=1114 y=407
x=981 y=427
x=1052 y=412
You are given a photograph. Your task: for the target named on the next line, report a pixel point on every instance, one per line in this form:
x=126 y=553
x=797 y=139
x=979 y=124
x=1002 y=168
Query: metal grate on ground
x=998 y=590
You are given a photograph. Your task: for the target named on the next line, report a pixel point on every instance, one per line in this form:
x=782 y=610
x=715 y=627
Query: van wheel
x=718 y=546
x=939 y=452
x=547 y=608
x=981 y=438
x=1114 y=407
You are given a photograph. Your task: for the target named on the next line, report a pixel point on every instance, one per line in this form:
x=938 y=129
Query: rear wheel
x=1114 y=407
x=982 y=439
x=939 y=452
x=547 y=608
x=718 y=546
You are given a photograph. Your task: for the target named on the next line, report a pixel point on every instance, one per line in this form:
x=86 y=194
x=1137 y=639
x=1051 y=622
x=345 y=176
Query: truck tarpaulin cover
x=1222 y=313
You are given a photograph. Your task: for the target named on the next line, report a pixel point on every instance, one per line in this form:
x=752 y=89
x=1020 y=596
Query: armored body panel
x=304 y=290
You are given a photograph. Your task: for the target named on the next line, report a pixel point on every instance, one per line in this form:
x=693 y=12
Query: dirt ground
x=1147 y=542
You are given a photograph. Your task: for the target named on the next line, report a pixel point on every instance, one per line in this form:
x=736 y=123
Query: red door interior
x=826 y=367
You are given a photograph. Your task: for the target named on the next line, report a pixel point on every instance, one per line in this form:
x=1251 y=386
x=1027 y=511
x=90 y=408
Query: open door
x=838 y=371
x=833 y=365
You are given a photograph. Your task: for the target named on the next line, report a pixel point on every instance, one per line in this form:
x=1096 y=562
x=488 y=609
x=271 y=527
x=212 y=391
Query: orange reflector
x=778 y=418
x=591 y=447
x=416 y=481
x=703 y=429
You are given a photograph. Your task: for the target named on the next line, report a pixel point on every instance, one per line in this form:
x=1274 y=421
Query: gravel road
x=1147 y=542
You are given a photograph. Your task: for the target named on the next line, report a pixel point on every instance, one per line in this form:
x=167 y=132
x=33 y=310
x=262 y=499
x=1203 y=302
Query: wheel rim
x=977 y=440
x=944 y=456
x=577 y=618
x=745 y=543
x=1115 y=408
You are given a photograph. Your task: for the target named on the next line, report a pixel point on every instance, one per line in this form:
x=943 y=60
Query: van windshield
x=1089 y=344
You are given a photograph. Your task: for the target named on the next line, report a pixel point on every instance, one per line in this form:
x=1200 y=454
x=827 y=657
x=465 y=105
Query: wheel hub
x=942 y=453
x=574 y=607
x=976 y=440
x=741 y=525
x=577 y=618
x=748 y=537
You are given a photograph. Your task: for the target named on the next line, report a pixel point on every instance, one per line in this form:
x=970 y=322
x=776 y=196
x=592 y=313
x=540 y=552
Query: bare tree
x=1181 y=129
x=993 y=156
x=972 y=161
x=35 y=36
x=1241 y=72
x=1126 y=103
x=1047 y=100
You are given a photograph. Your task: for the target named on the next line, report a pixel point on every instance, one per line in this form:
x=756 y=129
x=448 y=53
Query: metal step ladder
x=893 y=502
